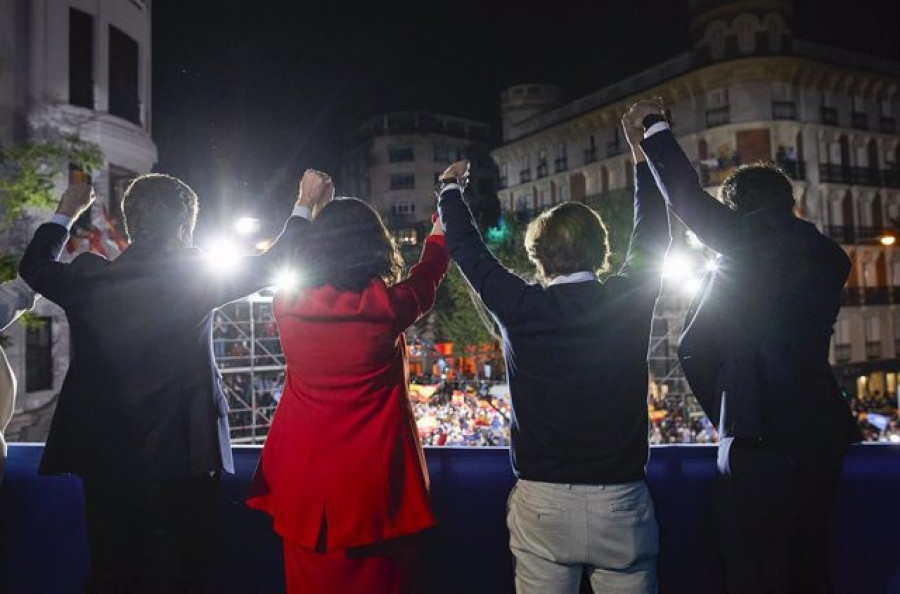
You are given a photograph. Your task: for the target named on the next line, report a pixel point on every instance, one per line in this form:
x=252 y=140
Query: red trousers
x=382 y=568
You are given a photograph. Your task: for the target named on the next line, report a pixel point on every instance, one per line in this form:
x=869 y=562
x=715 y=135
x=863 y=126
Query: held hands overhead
x=75 y=200
x=316 y=190
x=457 y=172
x=633 y=123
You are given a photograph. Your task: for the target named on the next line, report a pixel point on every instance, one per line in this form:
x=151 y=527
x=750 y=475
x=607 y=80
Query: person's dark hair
x=161 y=208
x=756 y=187
x=349 y=246
x=568 y=238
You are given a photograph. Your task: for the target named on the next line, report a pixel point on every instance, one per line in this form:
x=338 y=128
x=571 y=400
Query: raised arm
x=414 y=297
x=716 y=225
x=499 y=289
x=40 y=266
x=256 y=272
x=650 y=237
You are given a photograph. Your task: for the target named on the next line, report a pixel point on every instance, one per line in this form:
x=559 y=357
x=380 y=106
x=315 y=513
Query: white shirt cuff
x=304 y=212
x=451 y=187
x=61 y=219
x=657 y=127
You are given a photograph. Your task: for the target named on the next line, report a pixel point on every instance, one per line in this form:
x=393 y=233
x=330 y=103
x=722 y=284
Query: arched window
x=715 y=35
x=775 y=31
x=745 y=26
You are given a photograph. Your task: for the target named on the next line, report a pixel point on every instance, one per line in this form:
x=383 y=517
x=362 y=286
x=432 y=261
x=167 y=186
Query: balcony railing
x=842 y=352
x=718 y=116
x=873 y=349
x=838 y=174
x=862 y=176
x=613 y=148
x=888 y=125
x=851 y=297
x=829 y=116
x=859 y=120
x=524 y=176
x=793 y=169
x=784 y=110
x=890 y=178
x=561 y=164
x=590 y=155
x=877 y=295
x=850 y=234
x=542 y=169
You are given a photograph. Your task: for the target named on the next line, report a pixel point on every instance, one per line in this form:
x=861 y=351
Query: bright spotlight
x=894 y=438
x=677 y=267
x=286 y=280
x=691 y=287
x=711 y=265
x=222 y=254
x=246 y=225
x=888 y=240
x=263 y=245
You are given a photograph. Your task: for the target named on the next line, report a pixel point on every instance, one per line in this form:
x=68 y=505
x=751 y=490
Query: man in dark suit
x=576 y=359
x=755 y=352
x=141 y=415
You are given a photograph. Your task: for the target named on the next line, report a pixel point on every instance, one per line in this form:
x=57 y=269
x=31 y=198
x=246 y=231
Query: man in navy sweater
x=576 y=357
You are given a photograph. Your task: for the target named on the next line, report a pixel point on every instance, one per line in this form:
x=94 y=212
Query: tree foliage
x=28 y=171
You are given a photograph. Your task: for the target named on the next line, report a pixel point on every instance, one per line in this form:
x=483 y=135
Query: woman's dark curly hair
x=348 y=246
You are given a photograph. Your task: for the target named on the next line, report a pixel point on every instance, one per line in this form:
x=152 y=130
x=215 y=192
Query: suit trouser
x=557 y=532
x=150 y=536
x=771 y=514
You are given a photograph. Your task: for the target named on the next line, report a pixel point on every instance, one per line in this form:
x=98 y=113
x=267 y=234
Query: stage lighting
x=263 y=245
x=711 y=265
x=887 y=240
x=246 y=225
x=286 y=280
x=691 y=287
x=221 y=254
x=677 y=267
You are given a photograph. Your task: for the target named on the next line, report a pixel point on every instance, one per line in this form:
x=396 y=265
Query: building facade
x=393 y=161
x=747 y=91
x=80 y=68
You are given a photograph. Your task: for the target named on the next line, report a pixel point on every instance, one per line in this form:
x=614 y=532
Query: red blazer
x=343 y=442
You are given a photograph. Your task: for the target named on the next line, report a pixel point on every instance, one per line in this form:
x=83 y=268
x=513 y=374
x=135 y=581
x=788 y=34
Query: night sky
x=246 y=96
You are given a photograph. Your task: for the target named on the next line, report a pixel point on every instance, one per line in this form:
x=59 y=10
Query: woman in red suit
x=342 y=472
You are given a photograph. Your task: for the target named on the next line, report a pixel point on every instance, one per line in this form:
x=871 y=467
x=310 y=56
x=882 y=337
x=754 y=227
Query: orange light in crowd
x=887 y=240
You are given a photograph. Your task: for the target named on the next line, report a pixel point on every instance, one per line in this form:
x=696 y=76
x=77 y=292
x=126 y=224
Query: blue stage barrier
x=43 y=547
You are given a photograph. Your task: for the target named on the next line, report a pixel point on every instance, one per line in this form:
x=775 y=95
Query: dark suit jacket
x=756 y=339
x=576 y=354
x=142 y=397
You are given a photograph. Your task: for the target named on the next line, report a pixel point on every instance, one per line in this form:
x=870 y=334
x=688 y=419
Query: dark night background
x=246 y=96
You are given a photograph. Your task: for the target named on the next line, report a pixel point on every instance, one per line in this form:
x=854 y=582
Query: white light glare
x=222 y=255
x=691 y=286
x=286 y=280
x=246 y=225
x=677 y=267
x=711 y=265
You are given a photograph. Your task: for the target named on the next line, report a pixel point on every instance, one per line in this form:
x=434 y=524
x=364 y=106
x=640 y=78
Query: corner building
x=393 y=161
x=747 y=91
x=83 y=68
